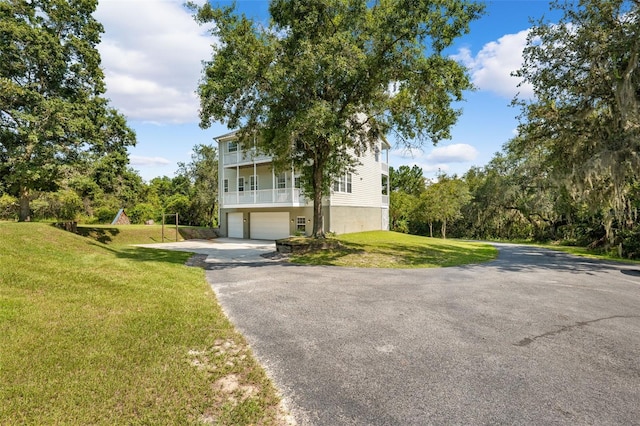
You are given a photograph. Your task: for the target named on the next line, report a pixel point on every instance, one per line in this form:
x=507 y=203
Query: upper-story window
x=281 y=181
x=240 y=184
x=297 y=183
x=253 y=182
x=226 y=185
x=232 y=146
x=376 y=151
x=343 y=184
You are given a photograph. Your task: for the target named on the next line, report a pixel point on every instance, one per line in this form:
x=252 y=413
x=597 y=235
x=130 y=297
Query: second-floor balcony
x=265 y=197
x=244 y=157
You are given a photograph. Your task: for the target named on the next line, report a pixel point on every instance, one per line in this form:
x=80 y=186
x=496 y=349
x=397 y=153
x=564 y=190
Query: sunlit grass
x=109 y=334
x=383 y=249
x=129 y=234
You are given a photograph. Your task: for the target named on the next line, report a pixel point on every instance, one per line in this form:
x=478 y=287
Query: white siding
x=366 y=184
x=345 y=212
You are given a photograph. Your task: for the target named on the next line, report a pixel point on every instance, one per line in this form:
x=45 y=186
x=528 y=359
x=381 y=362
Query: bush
x=9 y=207
x=68 y=206
x=177 y=204
x=40 y=208
x=143 y=212
x=105 y=214
x=630 y=240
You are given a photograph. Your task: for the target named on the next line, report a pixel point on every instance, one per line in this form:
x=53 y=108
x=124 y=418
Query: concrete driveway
x=535 y=337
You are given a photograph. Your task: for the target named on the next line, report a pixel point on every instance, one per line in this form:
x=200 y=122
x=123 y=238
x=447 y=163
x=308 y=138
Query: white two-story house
x=257 y=202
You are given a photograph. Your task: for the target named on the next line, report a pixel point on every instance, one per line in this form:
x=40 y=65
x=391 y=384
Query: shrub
x=69 y=205
x=9 y=207
x=105 y=214
x=143 y=212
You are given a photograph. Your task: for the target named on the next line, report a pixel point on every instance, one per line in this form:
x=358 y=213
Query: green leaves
x=51 y=109
x=314 y=84
x=586 y=72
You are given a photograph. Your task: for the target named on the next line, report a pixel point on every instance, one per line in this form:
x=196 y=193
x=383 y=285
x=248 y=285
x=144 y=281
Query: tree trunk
x=318 y=230
x=25 y=208
x=444 y=229
x=431 y=229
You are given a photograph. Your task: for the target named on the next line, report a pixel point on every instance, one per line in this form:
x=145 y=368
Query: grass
x=129 y=234
x=586 y=252
x=384 y=249
x=109 y=334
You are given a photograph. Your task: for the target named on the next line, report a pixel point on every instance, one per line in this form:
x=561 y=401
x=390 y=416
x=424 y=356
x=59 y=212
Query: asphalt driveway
x=535 y=337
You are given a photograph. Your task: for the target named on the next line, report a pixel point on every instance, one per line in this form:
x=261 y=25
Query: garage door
x=269 y=225
x=234 y=222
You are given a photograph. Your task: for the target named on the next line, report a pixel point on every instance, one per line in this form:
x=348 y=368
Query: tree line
x=63 y=148
x=572 y=173
x=95 y=192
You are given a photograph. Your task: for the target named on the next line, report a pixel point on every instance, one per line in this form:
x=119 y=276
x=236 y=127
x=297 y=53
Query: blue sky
x=152 y=52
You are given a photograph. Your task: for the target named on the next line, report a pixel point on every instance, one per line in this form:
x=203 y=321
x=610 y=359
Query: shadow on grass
x=144 y=254
x=442 y=255
x=404 y=254
x=103 y=235
x=327 y=256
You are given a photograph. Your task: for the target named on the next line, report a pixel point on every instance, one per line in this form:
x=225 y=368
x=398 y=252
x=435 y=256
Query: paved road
x=535 y=337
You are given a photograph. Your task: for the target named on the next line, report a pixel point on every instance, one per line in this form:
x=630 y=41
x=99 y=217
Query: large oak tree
x=52 y=112
x=585 y=118
x=328 y=78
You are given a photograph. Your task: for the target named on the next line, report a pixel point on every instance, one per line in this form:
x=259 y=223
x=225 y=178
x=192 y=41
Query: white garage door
x=234 y=223
x=269 y=225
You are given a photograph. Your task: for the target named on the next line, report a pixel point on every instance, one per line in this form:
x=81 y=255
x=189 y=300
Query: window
x=253 y=182
x=385 y=179
x=377 y=154
x=343 y=183
x=232 y=146
x=301 y=224
x=281 y=181
x=240 y=184
x=226 y=185
x=297 y=182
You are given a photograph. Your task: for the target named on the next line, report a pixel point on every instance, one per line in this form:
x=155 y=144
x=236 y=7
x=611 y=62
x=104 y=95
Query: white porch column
x=273 y=184
x=293 y=186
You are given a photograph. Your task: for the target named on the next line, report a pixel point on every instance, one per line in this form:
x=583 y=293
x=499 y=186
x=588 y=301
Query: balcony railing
x=385 y=200
x=241 y=157
x=385 y=168
x=282 y=197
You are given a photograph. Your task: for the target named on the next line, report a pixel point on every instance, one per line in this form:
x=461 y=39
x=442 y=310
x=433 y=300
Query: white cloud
x=456 y=153
x=152 y=53
x=137 y=160
x=492 y=66
x=441 y=159
x=408 y=152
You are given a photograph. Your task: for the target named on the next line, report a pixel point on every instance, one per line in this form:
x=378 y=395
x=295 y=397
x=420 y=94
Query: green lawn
x=384 y=249
x=110 y=334
x=129 y=234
